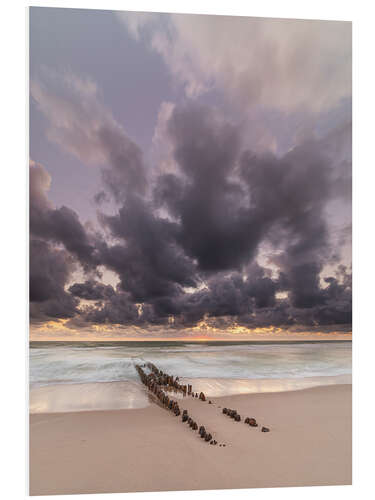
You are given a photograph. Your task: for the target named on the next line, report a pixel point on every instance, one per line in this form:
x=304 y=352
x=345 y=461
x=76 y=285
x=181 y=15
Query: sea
x=84 y=376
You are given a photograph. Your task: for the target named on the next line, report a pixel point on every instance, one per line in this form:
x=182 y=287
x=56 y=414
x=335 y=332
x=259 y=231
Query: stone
x=237 y=418
x=184 y=417
x=265 y=429
x=225 y=411
x=208 y=437
x=247 y=420
x=253 y=422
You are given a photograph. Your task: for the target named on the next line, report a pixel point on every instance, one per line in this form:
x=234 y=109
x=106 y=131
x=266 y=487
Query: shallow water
x=96 y=376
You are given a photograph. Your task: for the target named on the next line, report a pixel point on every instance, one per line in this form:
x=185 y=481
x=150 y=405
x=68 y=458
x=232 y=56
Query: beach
x=150 y=449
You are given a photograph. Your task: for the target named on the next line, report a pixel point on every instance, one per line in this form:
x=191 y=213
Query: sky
x=190 y=176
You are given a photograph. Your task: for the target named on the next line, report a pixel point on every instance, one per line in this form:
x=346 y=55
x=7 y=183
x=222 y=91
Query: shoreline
x=148 y=449
x=130 y=394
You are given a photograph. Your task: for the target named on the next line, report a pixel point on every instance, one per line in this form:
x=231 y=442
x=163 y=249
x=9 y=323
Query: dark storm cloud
x=50 y=269
x=233 y=295
x=92 y=290
x=229 y=202
x=118 y=310
x=149 y=261
x=58 y=241
x=207 y=202
x=221 y=205
x=189 y=251
x=60 y=225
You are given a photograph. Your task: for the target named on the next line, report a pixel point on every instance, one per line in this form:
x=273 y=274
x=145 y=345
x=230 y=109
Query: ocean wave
x=75 y=364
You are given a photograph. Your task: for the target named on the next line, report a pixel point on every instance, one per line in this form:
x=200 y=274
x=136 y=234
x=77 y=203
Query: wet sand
x=150 y=449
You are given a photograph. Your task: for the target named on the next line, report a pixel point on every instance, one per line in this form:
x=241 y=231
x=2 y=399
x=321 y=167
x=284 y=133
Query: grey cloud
x=81 y=125
x=201 y=230
x=92 y=290
x=60 y=225
x=282 y=63
x=149 y=262
x=50 y=270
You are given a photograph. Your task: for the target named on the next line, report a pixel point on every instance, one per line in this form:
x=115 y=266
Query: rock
x=237 y=418
x=202 y=397
x=247 y=420
x=184 y=417
x=209 y=403
x=253 y=422
x=265 y=429
x=202 y=431
x=208 y=437
x=225 y=411
x=185 y=412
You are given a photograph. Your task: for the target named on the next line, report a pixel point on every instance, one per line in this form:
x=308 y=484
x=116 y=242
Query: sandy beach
x=150 y=449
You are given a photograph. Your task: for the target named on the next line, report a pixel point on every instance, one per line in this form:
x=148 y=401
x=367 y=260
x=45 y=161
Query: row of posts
x=156 y=381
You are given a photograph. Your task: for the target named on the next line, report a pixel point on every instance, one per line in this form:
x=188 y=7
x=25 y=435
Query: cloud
x=50 y=270
x=58 y=241
x=149 y=260
x=276 y=63
x=92 y=290
x=58 y=225
x=189 y=250
x=82 y=126
x=220 y=205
